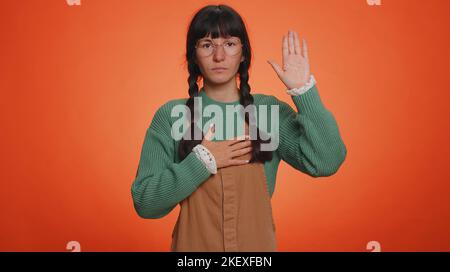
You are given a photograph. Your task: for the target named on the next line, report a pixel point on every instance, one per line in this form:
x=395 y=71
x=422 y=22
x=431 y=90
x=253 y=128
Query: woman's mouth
x=218 y=70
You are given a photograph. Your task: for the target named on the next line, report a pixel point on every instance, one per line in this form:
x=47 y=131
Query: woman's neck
x=222 y=92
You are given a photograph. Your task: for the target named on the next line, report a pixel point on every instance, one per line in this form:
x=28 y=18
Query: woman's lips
x=219 y=69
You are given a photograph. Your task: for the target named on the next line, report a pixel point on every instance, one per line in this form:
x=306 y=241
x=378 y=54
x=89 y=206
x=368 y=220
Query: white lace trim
x=303 y=89
x=206 y=157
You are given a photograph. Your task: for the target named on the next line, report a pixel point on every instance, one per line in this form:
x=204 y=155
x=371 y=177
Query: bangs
x=219 y=25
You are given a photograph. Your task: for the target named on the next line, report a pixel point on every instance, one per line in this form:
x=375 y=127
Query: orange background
x=80 y=85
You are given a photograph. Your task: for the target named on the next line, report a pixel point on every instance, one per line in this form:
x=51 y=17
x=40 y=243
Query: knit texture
x=309 y=141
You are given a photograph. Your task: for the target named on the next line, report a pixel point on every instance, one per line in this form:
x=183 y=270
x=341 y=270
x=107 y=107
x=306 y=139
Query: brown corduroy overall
x=230 y=211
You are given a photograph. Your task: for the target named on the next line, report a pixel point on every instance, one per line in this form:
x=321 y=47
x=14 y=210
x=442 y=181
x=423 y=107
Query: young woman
x=224 y=187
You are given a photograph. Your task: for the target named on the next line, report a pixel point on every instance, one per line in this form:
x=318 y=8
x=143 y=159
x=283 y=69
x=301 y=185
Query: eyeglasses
x=206 y=47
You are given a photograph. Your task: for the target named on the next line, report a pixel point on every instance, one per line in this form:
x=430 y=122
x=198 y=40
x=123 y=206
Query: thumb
x=275 y=67
x=210 y=133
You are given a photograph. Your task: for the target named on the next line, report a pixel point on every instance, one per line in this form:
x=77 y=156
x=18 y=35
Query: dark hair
x=213 y=19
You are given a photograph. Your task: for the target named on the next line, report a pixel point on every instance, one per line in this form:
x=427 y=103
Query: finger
x=305 y=49
x=210 y=133
x=241 y=152
x=291 y=43
x=238 y=162
x=241 y=137
x=285 y=49
x=276 y=67
x=241 y=145
x=237 y=140
x=297 y=44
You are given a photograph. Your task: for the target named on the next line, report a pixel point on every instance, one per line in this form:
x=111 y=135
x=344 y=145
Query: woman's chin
x=215 y=79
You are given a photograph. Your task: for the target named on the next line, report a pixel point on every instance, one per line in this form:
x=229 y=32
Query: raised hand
x=295 y=72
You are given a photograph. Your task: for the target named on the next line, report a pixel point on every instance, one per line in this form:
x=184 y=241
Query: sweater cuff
x=198 y=171
x=309 y=101
x=205 y=156
x=298 y=91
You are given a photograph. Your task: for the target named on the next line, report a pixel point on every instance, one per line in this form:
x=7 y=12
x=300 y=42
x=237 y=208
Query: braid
x=246 y=97
x=185 y=146
x=245 y=100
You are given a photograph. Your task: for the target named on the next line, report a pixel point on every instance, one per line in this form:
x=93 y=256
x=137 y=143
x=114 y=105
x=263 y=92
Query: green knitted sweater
x=309 y=141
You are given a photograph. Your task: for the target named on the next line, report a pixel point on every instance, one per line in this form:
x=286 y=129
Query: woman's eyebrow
x=208 y=39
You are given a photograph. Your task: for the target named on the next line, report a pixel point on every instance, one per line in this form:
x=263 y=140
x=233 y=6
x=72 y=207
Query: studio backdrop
x=81 y=81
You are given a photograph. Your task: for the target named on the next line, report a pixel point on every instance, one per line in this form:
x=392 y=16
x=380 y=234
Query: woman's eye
x=206 y=45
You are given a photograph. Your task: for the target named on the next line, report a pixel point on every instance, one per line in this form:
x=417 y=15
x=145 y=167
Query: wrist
x=303 y=89
x=206 y=157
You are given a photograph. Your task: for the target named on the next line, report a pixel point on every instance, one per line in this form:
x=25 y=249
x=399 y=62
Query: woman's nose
x=219 y=53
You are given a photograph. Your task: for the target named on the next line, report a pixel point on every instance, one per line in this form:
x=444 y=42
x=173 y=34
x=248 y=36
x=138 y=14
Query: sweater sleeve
x=309 y=139
x=160 y=184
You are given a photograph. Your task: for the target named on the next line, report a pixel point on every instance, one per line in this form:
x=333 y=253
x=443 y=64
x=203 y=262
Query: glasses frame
x=215 y=45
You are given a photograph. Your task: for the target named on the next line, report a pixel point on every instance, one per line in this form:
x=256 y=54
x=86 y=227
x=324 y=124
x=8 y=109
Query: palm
x=295 y=72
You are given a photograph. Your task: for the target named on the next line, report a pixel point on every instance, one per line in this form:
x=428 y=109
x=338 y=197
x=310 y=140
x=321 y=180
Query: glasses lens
x=205 y=48
x=231 y=47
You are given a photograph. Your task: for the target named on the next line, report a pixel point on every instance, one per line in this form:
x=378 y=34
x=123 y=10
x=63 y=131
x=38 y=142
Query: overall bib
x=230 y=211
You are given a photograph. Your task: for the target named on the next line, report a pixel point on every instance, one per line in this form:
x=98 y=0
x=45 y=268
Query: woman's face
x=208 y=58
